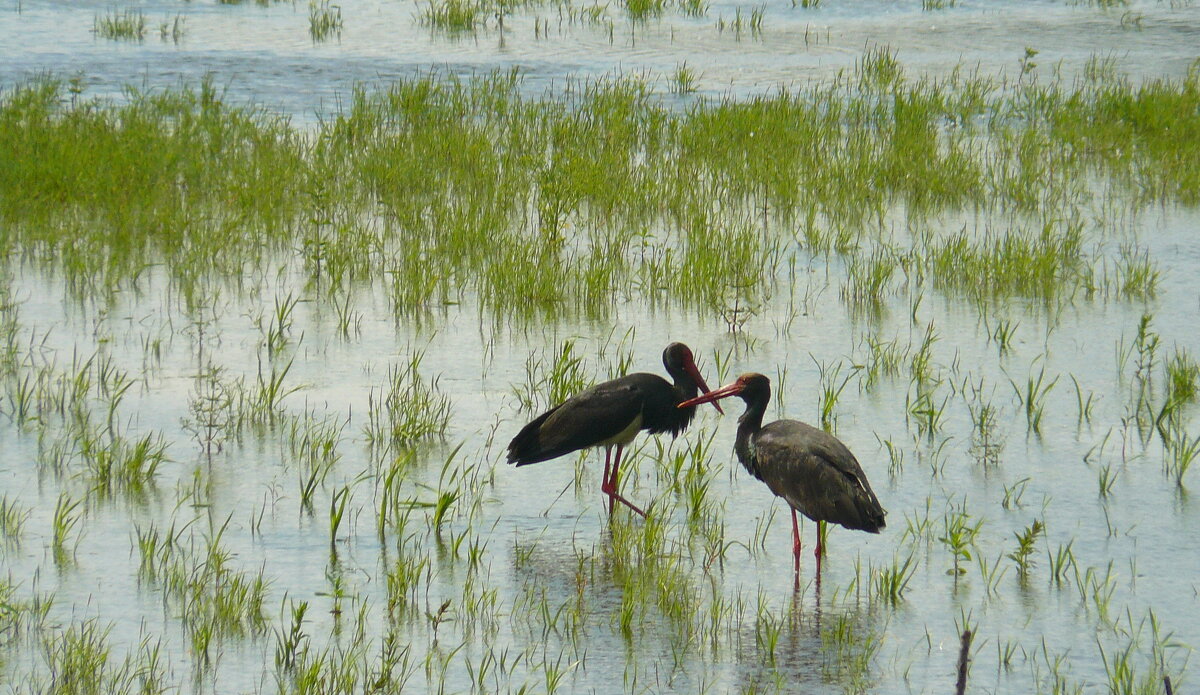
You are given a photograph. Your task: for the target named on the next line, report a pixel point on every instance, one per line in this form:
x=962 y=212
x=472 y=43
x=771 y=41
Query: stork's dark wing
x=817 y=475
x=587 y=419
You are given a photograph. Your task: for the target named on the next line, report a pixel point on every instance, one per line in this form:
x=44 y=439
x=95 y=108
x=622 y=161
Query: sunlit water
x=535 y=523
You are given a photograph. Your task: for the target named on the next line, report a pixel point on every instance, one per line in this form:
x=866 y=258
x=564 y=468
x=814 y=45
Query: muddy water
x=540 y=525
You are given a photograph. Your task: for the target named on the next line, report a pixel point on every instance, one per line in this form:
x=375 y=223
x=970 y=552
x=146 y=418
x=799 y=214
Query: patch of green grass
x=12 y=520
x=67 y=515
x=1033 y=397
x=1044 y=265
x=173 y=29
x=408 y=407
x=80 y=661
x=890 y=583
x=121 y=464
x=869 y=278
x=194 y=571
x=1183 y=376
x=455 y=15
x=128 y=24
x=552 y=379
x=563 y=204
x=324 y=20
x=684 y=79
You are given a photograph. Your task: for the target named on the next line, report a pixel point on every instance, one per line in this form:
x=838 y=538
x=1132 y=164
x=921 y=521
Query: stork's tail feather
x=526 y=447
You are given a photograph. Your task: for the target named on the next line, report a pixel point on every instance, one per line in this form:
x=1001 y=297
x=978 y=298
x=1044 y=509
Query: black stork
x=611 y=414
x=809 y=468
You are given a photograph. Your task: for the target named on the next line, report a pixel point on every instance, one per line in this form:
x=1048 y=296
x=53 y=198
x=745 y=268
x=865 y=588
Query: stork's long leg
x=609 y=487
x=796 y=542
x=820 y=551
x=607 y=468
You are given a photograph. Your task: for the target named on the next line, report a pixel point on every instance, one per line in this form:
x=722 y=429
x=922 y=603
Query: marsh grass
x=1032 y=397
x=889 y=583
x=455 y=15
x=1181 y=377
x=128 y=24
x=1043 y=265
x=1180 y=452
x=80 y=660
x=645 y=9
x=436 y=191
x=684 y=80
x=67 y=515
x=605 y=159
x=553 y=378
x=173 y=29
x=833 y=382
x=123 y=465
x=851 y=644
x=324 y=20
x=408 y=407
x=197 y=578
x=12 y=520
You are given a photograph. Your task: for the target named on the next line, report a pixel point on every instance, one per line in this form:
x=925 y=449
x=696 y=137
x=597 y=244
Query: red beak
x=690 y=367
x=713 y=396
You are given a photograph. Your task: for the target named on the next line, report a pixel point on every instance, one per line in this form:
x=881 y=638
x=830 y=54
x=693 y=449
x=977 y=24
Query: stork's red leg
x=820 y=551
x=612 y=482
x=607 y=468
x=610 y=486
x=796 y=542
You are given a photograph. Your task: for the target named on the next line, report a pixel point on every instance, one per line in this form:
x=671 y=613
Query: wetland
x=279 y=282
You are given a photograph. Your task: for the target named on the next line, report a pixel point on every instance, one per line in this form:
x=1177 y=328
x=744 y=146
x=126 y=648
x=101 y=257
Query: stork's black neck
x=748 y=425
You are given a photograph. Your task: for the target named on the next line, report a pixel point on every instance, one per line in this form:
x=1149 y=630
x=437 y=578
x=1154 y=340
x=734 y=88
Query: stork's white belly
x=626 y=435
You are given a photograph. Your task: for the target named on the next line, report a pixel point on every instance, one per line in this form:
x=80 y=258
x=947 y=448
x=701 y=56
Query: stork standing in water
x=611 y=414
x=809 y=468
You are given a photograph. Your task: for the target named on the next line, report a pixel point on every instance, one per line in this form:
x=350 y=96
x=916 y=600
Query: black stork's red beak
x=713 y=396
x=690 y=367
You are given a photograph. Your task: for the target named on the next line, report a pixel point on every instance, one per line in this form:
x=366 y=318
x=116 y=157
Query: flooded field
x=281 y=281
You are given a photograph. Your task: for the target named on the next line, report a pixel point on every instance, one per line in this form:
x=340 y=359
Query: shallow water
x=547 y=543
x=264 y=54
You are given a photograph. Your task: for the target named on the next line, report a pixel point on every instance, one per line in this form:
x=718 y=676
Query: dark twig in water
x=1167 y=685
x=963 y=658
